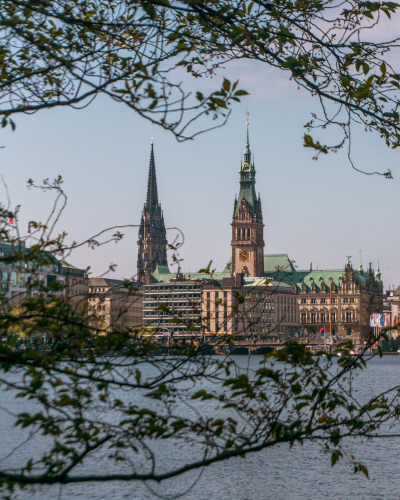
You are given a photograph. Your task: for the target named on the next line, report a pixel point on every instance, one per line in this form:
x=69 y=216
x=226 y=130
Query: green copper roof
x=247 y=173
x=251 y=282
x=161 y=269
x=278 y=262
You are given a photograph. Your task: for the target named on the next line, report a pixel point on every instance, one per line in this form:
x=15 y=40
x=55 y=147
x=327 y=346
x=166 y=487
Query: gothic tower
x=247 y=224
x=152 y=240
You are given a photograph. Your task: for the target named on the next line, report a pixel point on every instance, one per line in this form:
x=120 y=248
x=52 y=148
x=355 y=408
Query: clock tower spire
x=247 y=224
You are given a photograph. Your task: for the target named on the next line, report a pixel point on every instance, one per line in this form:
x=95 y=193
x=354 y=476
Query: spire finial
x=151 y=140
x=247 y=124
x=361 y=267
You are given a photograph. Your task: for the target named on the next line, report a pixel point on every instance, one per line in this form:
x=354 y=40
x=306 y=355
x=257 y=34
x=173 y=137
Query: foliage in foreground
x=113 y=395
x=67 y=52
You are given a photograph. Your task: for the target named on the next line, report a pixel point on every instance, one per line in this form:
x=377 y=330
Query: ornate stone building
x=247 y=224
x=340 y=301
x=152 y=240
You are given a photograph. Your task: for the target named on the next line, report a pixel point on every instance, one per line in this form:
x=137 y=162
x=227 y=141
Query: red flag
x=322 y=329
x=10 y=221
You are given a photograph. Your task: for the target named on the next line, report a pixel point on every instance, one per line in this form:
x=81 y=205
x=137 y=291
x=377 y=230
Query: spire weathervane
x=247 y=114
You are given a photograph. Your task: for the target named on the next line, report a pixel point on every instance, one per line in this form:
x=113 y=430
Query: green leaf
x=202 y=394
x=226 y=85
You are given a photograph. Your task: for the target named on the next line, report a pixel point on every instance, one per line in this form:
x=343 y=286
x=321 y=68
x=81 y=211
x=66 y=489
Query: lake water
x=302 y=473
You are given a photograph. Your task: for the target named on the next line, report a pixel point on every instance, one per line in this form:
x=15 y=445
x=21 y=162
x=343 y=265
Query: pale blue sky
x=317 y=211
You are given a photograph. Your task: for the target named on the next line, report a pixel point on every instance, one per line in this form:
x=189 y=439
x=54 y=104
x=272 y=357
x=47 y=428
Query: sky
x=318 y=212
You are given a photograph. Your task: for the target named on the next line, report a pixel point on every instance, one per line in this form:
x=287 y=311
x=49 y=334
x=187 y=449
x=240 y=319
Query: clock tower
x=247 y=224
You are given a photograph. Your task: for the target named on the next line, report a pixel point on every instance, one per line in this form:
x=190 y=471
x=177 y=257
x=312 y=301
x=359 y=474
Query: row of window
x=244 y=234
x=174 y=296
x=172 y=288
x=349 y=317
x=345 y=300
x=217 y=294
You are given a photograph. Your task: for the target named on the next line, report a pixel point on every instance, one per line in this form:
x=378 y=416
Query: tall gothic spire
x=152 y=194
x=152 y=240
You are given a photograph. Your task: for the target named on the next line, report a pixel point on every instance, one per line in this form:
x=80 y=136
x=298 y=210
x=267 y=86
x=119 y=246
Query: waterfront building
x=152 y=241
x=76 y=285
x=393 y=307
x=173 y=307
x=235 y=305
x=340 y=301
x=248 y=307
x=114 y=306
x=16 y=277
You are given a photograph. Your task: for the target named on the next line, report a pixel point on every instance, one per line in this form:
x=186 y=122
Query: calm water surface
x=277 y=474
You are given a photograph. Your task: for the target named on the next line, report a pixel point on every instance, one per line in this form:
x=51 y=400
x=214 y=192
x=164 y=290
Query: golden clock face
x=243 y=255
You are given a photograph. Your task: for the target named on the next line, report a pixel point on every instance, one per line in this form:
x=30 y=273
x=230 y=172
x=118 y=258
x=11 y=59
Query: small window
x=304 y=301
x=333 y=301
x=208 y=294
x=322 y=301
x=225 y=294
x=312 y=301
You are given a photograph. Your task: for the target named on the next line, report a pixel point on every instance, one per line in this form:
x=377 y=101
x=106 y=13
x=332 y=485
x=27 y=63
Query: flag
x=322 y=329
x=10 y=221
x=387 y=319
x=395 y=320
x=382 y=322
x=29 y=227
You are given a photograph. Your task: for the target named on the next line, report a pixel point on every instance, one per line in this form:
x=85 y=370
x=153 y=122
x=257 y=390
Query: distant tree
x=66 y=52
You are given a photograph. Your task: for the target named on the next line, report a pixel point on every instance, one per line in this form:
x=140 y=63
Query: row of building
x=256 y=293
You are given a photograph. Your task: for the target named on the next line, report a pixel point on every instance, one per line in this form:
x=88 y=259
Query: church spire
x=152 y=241
x=152 y=194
